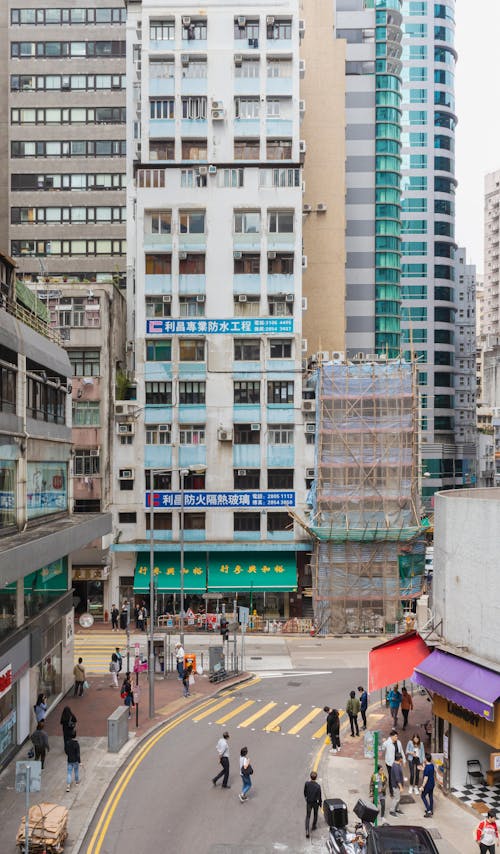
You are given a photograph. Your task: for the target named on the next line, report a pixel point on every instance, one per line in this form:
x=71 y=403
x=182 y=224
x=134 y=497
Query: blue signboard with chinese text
x=232 y=326
x=196 y=498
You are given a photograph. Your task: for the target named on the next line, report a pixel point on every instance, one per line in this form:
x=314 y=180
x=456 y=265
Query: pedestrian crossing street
x=96 y=650
x=265 y=716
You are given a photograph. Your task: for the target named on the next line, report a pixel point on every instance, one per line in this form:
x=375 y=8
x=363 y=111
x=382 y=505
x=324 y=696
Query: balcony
x=158 y=284
x=194 y=536
x=159 y=128
x=279 y=283
x=247 y=283
x=246 y=242
x=279 y=86
x=192 y=413
x=194 y=242
x=157 y=372
x=281 y=535
x=192 y=455
x=192 y=283
x=157 y=414
x=162 y=86
x=157 y=241
x=195 y=128
x=192 y=370
x=281 y=414
x=282 y=128
x=279 y=366
x=247 y=413
x=280 y=456
x=281 y=242
x=194 y=86
x=247 y=127
x=157 y=456
x=246 y=456
x=247 y=86
x=246 y=535
x=161 y=44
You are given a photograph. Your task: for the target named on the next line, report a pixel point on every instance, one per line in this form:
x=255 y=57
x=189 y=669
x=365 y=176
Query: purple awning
x=461 y=681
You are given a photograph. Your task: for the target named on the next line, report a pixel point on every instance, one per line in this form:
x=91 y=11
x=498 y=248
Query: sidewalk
x=347 y=775
x=98 y=766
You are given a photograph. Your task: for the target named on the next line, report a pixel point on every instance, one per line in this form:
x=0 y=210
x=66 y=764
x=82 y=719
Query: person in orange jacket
x=487 y=834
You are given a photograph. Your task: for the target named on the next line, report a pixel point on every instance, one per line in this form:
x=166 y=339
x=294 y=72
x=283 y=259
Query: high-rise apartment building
x=215 y=306
x=62 y=110
x=491 y=287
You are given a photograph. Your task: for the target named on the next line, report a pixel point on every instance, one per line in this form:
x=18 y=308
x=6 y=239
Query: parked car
x=392 y=839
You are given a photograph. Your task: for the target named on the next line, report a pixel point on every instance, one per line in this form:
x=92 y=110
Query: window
x=274 y=107
x=158 y=307
x=192 y=306
x=85 y=462
x=192 y=222
x=87 y=505
x=281 y=265
x=280 y=434
x=246 y=149
x=246 y=391
x=158 y=394
x=280 y=391
x=280 y=222
x=127 y=518
x=246 y=108
x=246 y=349
x=161 y=69
x=280 y=149
x=249 y=68
x=161 y=149
x=246 y=222
x=246 y=478
x=279 y=522
x=162 y=108
x=161 y=521
x=192 y=178
x=192 y=393
x=86 y=413
x=247 y=264
x=195 y=31
x=191 y=434
x=159 y=350
x=194 y=521
x=192 y=265
x=160 y=31
x=161 y=480
x=192 y=350
x=249 y=308
x=194 y=149
x=247 y=31
x=281 y=29
x=245 y=435
x=158 y=434
x=158 y=265
x=85 y=363
x=196 y=70
x=279 y=67
x=246 y=522
x=280 y=348
x=230 y=178
x=279 y=177
x=159 y=222
x=280 y=479
x=8 y=376
x=280 y=307
x=194 y=108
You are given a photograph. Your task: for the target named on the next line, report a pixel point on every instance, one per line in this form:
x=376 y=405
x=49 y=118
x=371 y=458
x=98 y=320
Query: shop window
x=49 y=673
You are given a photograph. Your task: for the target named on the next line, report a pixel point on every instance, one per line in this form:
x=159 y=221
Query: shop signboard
x=229 y=326
x=5 y=680
x=46 y=489
x=224 y=500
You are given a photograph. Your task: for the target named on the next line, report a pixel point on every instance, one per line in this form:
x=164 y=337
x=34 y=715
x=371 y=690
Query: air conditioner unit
x=338 y=356
x=184 y=59
x=200 y=298
x=254 y=427
x=242 y=21
x=271 y=255
x=310 y=428
x=302 y=146
x=217 y=105
x=302 y=67
x=310 y=472
x=125 y=428
x=269 y=20
x=186 y=20
x=304 y=345
x=65 y=83
x=218 y=115
x=242 y=297
x=126 y=474
x=225 y=435
x=94 y=452
x=309 y=406
x=182 y=256
x=302 y=106
x=289 y=298
x=241 y=472
x=302 y=29
x=163 y=428
x=120 y=409
x=212 y=170
x=321 y=207
x=238 y=60
x=304 y=303
x=237 y=255
x=167 y=298
x=306 y=209
x=304 y=262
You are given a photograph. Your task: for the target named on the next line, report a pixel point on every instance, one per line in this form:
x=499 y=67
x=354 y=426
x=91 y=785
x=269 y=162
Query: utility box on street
x=118 y=729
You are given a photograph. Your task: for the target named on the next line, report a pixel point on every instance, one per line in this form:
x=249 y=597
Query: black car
x=403 y=839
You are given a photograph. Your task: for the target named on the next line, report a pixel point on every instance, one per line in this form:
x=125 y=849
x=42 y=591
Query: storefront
x=89 y=585
x=14 y=698
x=466 y=711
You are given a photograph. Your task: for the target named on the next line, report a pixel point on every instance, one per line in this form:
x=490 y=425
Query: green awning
x=230 y=572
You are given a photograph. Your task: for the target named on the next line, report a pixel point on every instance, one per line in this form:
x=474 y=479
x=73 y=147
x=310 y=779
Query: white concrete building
x=214 y=303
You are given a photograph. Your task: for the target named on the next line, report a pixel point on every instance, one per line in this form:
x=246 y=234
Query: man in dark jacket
x=363 y=704
x=333 y=727
x=72 y=751
x=40 y=742
x=312 y=794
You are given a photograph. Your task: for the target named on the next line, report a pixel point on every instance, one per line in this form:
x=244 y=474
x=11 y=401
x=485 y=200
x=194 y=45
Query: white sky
x=477 y=40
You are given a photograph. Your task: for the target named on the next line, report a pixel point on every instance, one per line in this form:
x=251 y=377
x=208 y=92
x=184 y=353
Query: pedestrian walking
x=428 y=783
x=333 y=727
x=186 y=674
x=114 y=618
x=487 y=833
x=68 y=723
x=223 y=754
x=394 y=697
x=246 y=772
x=415 y=755
x=140 y=620
x=40 y=708
x=124 y=616
x=40 y=741
x=390 y=746
x=352 y=708
x=380 y=778
x=72 y=751
x=397 y=781
x=312 y=794
x=79 y=674
x=363 y=704
x=406 y=706
x=127 y=694
x=179 y=655
x=113 y=669
x=119 y=658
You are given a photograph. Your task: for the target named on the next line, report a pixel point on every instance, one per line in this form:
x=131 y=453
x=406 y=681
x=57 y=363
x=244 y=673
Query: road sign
x=208 y=596
x=35 y=776
x=244 y=615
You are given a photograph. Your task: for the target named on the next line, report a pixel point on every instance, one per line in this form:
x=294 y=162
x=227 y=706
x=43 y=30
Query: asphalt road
x=164 y=799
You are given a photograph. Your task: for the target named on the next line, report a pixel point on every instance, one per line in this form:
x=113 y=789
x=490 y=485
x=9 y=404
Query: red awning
x=395 y=660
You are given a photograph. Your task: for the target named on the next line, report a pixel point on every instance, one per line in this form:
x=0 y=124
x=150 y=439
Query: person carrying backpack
x=487 y=833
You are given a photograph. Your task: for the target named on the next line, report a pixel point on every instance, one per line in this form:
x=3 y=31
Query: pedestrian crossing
x=96 y=650
x=268 y=716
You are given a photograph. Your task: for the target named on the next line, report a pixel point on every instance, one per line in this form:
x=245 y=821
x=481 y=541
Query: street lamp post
x=182 y=475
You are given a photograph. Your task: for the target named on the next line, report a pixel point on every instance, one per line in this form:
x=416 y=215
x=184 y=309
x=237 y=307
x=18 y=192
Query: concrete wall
x=466 y=548
x=463 y=747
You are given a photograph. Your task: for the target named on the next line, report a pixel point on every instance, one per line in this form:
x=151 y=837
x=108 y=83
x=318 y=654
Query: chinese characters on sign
x=196 y=498
x=5 y=679
x=224 y=568
x=234 y=326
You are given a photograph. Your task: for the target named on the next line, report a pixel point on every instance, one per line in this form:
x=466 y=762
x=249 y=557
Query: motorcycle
x=342 y=840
